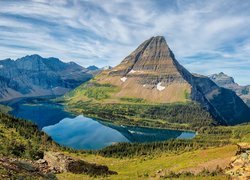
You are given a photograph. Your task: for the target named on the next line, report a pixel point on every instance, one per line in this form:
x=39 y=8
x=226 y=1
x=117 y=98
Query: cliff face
x=225 y=106
x=37 y=76
x=226 y=81
x=152 y=73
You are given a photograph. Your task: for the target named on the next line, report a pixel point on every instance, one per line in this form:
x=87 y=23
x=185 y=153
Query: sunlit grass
x=147 y=167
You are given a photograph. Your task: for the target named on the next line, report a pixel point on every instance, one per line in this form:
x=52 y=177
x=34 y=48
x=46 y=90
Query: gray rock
x=41 y=161
x=60 y=163
x=244 y=156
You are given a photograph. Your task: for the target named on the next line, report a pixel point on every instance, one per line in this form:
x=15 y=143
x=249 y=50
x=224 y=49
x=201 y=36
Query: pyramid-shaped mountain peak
x=155 y=48
x=152 y=56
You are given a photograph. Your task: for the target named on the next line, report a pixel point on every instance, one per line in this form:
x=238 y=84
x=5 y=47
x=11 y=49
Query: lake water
x=80 y=132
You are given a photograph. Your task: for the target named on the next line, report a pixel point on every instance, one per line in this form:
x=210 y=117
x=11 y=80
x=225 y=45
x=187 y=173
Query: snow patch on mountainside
x=132 y=71
x=123 y=79
x=159 y=87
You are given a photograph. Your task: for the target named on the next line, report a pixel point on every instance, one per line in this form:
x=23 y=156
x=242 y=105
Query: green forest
x=176 y=116
x=21 y=138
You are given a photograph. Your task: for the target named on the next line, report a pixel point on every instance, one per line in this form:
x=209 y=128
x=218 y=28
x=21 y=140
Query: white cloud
x=215 y=33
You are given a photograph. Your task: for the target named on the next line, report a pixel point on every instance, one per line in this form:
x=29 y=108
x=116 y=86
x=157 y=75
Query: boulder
x=59 y=163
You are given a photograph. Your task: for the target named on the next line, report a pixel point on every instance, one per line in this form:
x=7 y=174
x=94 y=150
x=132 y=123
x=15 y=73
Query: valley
x=124 y=90
x=81 y=132
x=146 y=118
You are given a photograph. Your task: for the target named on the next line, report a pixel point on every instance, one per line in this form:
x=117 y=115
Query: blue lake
x=80 y=132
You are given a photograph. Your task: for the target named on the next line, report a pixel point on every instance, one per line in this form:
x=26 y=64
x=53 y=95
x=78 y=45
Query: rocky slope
x=239 y=167
x=37 y=76
x=152 y=74
x=226 y=81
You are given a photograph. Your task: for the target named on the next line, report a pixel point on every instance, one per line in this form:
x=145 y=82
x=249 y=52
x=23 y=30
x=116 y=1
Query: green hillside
x=206 y=156
x=20 y=138
x=20 y=144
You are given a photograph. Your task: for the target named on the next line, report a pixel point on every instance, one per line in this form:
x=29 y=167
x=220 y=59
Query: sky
x=206 y=36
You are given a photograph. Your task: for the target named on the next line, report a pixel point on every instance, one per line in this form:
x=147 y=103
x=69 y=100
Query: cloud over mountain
x=207 y=36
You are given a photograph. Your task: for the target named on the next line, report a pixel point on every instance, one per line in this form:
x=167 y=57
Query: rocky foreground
x=52 y=163
x=239 y=167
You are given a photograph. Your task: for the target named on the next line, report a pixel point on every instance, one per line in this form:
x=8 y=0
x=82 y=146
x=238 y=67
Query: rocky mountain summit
x=93 y=68
x=223 y=80
x=107 y=68
x=37 y=76
x=153 y=75
x=228 y=82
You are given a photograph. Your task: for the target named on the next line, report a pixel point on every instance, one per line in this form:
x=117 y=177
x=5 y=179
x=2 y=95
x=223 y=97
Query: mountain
x=226 y=81
x=223 y=80
x=107 y=68
x=151 y=74
x=37 y=76
x=96 y=69
x=92 y=68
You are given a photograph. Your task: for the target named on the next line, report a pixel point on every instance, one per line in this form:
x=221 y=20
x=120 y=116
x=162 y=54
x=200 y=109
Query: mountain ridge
x=223 y=80
x=33 y=75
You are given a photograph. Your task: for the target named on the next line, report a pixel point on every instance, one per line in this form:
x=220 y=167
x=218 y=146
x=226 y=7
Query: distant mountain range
x=37 y=76
x=151 y=74
x=93 y=68
x=228 y=82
